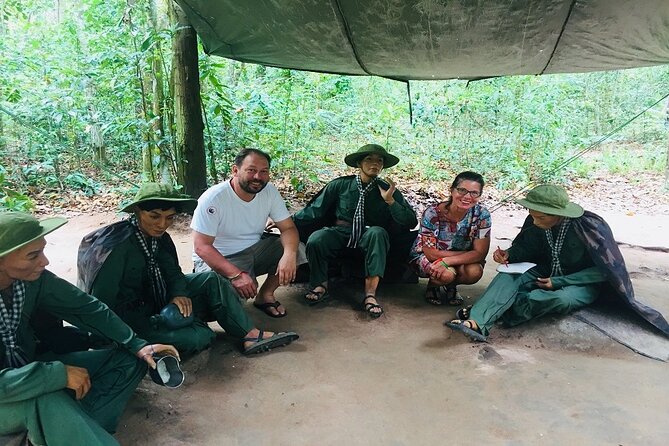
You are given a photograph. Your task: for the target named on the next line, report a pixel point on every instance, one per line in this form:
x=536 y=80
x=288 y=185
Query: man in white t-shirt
x=228 y=232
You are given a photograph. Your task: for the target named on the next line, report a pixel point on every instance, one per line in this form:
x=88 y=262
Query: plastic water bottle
x=171 y=318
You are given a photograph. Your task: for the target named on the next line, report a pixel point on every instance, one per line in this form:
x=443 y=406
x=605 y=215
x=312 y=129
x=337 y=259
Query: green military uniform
x=515 y=298
x=123 y=283
x=33 y=397
x=341 y=196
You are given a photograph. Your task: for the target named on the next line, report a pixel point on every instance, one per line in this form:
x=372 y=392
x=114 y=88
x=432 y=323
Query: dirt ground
x=405 y=379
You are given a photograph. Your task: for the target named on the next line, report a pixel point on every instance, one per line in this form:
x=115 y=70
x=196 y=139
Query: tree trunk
x=189 y=127
x=97 y=143
x=158 y=100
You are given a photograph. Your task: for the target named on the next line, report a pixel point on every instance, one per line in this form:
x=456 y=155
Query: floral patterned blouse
x=436 y=231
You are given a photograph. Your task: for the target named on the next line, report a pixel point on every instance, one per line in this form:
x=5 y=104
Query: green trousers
x=213 y=299
x=325 y=244
x=515 y=298
x=56 y=418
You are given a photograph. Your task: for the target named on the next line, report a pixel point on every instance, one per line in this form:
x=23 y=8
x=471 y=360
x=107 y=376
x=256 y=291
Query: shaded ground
x=405 y=379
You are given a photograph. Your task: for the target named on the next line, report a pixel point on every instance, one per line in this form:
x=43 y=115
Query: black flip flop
x=464 y=313
x=370 y=306
x=322 y=296
x=261 y=345
x=432 y=296
x=452 y=296
x=460 y=326
x=267 y=305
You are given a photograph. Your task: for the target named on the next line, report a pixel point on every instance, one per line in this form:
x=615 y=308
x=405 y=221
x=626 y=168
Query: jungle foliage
x=84 y=85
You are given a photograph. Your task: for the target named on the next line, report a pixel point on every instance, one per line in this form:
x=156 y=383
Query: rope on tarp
x=574 y=157
x=559 y=38
x=42 y=132
x=410 y=106
x=349 y=37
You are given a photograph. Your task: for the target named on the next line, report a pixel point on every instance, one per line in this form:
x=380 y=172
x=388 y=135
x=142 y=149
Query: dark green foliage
x=10 y=199
x=513 y=130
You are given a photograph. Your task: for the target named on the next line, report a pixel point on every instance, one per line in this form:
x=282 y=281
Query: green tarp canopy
x=435 y=39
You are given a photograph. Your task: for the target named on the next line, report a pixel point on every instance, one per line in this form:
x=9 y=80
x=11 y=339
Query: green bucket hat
x=352 y=159
x=162 y=192
x=17 y=229
x=552 y=200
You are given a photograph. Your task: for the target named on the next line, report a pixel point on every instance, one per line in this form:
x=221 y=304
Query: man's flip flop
x=261 y=345
x=266 y=308
x=321 y=296
x=460 y=326
x=369 y=307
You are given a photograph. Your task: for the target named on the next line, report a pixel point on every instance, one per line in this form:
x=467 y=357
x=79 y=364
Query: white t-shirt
x=236 y=224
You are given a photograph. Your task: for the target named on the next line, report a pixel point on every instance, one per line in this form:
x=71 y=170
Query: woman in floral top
x=454 y=240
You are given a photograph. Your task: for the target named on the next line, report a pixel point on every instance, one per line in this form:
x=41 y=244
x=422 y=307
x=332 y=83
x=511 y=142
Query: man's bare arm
x=244 y=284
x=290 y=239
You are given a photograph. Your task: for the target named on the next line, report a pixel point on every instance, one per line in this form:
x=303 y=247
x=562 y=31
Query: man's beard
x=246 y=186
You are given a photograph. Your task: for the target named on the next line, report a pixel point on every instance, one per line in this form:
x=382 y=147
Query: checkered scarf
x=556 y=246
x=158 y=287
x=10 y=318
x=359 y=216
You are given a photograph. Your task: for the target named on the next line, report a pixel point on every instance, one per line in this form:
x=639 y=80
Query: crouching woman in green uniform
x=577 y=260
x=132 y=266
x=69 y=399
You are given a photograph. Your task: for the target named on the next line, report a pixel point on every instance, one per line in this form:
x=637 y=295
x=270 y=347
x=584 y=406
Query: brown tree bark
x=189 y=127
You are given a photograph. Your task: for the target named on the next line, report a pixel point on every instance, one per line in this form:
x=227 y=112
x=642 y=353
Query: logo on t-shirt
x=211 y=210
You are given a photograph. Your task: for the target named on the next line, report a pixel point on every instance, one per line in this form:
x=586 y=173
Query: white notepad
x=515 y=268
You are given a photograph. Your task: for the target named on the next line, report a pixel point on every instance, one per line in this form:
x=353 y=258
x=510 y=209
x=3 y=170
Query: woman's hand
x=184 y=304
x=442 y=272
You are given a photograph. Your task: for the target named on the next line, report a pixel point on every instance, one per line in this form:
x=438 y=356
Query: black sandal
x=469 y=328
x=262 y=344
x=464 y=313
x=369 y=307
x=452 y=296
x=321 y=296
x=432 y=295
x=265 y=308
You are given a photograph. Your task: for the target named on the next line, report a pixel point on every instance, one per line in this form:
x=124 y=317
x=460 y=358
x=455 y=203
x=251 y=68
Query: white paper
x=515 y=268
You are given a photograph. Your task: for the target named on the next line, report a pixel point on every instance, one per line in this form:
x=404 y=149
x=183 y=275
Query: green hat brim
x=571 y=210
x=354 y=158
x=47 y=226
x=186 y=205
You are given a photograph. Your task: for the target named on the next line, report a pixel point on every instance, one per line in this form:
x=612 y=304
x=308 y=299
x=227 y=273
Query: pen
x=506 y=262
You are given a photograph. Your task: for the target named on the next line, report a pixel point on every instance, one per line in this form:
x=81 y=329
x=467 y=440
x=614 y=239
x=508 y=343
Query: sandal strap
x=258 y=339
x=471 y=324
